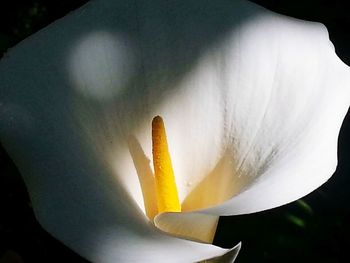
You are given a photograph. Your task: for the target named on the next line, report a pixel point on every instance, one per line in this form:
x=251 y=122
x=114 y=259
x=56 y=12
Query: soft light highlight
x=102 y=65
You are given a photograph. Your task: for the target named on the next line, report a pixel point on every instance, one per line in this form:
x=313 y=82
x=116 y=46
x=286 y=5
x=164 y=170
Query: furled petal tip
x=229 y=257
x=253 y=103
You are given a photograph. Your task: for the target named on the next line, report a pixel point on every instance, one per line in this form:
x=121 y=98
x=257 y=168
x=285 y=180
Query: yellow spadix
x=167 y=196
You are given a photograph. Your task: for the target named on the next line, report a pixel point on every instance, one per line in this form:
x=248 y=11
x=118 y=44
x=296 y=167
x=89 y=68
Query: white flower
x=252 y=101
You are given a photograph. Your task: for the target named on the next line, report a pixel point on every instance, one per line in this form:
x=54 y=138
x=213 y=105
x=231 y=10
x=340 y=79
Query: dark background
x=314 y=229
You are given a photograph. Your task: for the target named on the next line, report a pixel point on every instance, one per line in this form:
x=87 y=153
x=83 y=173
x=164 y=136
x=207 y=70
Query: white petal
x=260 y=112
x=258 y=109
x=252 y=98
x=286 y=106
x=193 y=226
x=48 y=109
x=229 y=257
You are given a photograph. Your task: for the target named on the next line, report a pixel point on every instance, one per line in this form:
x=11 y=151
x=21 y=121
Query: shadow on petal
x=145 y=175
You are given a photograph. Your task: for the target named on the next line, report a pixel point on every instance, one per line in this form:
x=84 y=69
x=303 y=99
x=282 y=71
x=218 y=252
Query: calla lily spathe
x=253 y=103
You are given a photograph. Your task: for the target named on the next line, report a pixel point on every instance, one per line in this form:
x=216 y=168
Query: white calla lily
x=252 y=101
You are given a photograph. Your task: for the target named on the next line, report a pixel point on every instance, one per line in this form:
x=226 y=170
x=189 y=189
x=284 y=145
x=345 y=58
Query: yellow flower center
x=167 y=196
